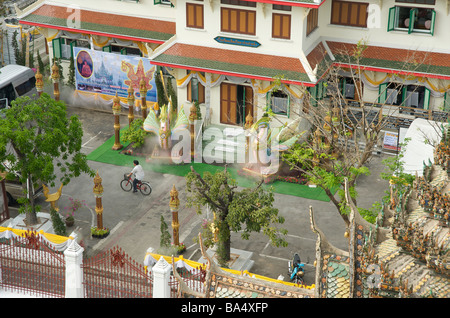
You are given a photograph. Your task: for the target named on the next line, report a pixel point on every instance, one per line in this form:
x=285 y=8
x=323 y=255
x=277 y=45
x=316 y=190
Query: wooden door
x=248 y=102
x=228 y=103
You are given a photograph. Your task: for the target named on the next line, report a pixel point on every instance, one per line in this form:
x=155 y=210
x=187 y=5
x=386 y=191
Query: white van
x=15 y=81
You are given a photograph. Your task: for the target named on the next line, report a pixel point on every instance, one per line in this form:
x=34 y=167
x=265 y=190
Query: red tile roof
x=235 y=62
x=95 y=22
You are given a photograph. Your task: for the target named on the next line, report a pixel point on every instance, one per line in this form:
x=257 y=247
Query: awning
x=99 y=23
x=234 y=63
x=394 y=60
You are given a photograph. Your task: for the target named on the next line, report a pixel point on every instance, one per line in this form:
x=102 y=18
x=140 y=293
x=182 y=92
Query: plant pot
x=69 y=222
x=100 y=236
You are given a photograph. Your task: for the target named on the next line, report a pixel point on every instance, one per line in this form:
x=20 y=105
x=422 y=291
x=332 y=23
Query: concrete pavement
x=134 y=220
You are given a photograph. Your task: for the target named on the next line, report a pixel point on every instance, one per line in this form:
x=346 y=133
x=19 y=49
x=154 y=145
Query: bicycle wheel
x=126 y=185
x=146 y=189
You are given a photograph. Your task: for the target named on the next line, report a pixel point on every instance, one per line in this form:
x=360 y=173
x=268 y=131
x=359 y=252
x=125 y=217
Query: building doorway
x=236 y=102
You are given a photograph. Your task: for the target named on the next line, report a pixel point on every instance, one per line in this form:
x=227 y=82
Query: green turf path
x=105 y=154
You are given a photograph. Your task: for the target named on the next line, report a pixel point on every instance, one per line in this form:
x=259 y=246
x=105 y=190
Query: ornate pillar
x=73 y=255
x=116 y=111
x=174 y=205
x=130 y=105
x=161 y=277
x=39 y=83
x=55 y=78
x=98 y=192
x=143 y=91
x=192 y=119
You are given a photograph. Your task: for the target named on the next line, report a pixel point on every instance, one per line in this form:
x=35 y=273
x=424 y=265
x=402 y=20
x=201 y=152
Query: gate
x=195 y=279
x=113 y=274
x=30 y=265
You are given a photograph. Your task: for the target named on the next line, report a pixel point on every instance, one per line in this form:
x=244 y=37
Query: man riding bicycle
x=139 y=174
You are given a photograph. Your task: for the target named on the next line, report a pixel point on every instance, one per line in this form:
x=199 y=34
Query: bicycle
x=127 y=184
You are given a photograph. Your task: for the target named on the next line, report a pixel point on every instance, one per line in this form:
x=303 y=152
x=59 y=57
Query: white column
x=161 y=278
x=74 y=273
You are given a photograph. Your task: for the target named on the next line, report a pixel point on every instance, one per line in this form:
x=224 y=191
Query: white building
x=227 y=53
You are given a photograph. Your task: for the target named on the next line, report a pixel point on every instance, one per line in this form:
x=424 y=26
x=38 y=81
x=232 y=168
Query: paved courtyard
x=135 y=219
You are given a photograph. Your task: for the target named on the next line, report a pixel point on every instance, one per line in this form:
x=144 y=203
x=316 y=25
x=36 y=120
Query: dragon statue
x=267 y=143
x=163 y=127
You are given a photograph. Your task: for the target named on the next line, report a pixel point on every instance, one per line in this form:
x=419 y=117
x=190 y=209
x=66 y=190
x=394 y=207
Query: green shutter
x=412 y=19
x=433 y=18
x=447 y=101
x=57 y=48
x=289 y=106
x=391 y=19
x=268 y=101
x=123 y=51
x=426 y=99
x=382 y=93
x=313 y=98
x=107 y=48
x=72 y=45
x=319 y=90
x=404 y=93
x=156 y=1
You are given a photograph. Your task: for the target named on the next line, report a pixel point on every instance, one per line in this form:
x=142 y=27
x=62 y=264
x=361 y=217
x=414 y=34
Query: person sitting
x=138 y=173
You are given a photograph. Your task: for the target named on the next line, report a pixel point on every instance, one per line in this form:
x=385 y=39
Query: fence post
x=161 y=277
x=73 y=256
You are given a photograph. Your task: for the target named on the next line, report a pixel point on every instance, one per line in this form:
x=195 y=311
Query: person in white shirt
x=138 y=173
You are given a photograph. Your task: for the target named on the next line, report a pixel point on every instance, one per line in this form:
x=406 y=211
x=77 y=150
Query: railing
x=195 y=279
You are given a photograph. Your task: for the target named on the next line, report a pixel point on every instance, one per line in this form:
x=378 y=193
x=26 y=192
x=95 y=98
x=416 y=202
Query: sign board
x=390 y=141
x=241 y=42
x=108 y=73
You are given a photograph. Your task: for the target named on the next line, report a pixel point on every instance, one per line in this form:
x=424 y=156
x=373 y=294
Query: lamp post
x=130 y=105
x=174 y=205
x=116 y=111
x=98 y=192
x=55 y=78
x=143 y=92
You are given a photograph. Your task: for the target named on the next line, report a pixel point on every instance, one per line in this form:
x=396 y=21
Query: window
x=26 y=86
x=124 y=50
x=194 y=15
x=239 y=3
x=279 y=102
x=312 y=21
x=166 y=2
x=8 y=93
x=238 y=21
x=413 y=96
x=63 y=47
x=417 y=1
x=423 y=19
x=195 y=91
x=281 y=8
x=349 y=13
x=281 y=26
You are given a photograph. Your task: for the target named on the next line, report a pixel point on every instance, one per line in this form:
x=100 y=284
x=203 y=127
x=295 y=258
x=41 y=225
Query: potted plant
x=99 y=232
x=180 y=248
x=70 y=210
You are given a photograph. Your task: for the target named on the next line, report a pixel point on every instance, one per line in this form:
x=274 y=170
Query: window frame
x=360 y=5
x=195 y=18
x=238 y=21
x=313 y=15
x=282 y=34
x=393 y=20
x=269 y=104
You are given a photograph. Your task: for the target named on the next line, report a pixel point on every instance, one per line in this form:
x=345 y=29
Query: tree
x=247 y=210
x=165 y=239
x=40 y=135
x=344 y=133
x=71 y=80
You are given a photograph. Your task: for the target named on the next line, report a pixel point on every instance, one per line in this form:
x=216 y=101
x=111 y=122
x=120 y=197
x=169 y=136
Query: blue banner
x=108 y=73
